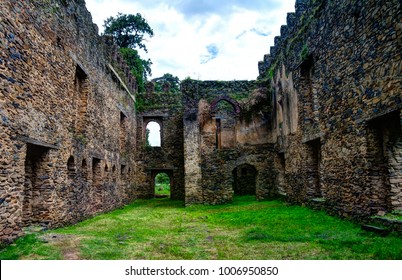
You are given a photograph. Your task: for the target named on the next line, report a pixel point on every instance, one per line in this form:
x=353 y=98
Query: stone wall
x=336 y=75
x=164 y=108
x=67 y=118
x=226 y=141
x=321 y=125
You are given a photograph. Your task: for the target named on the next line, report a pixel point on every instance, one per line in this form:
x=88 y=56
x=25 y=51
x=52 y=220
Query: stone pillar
x=192 y=158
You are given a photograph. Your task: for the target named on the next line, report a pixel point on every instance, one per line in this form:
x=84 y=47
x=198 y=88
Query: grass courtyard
x=161 y=229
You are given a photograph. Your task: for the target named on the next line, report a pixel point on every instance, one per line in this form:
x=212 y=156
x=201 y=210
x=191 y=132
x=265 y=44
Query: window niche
x=81 y=84
x=114 y=173
x=71 y=168
x=123 y=170
x=123 y=131
x=37 y=188
x=384 y=141
x=225 y=111
x=309 y=95
x=84 y=169
x=313 y=162
x=281 y=166
x=96 y=172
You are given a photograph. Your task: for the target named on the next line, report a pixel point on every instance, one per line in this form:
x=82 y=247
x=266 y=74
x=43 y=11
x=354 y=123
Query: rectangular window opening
x=37 y=187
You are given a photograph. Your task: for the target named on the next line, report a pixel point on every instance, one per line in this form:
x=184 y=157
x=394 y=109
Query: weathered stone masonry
x=62 y=99
x=336 y=75
x=321 y=125
x=164 y=108
x=226 y=144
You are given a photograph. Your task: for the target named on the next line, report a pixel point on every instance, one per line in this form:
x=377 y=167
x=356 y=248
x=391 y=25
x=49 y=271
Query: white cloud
x=207 y=40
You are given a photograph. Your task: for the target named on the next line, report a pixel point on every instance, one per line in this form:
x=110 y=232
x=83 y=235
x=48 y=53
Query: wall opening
x=81 y=84
x=96 y=172
x=123 y=170
x=97 y=182
x=384 y=141
x=153 y=134
x=71 y=170
x=107 y=172
x=281 y=164
x=84 y=169
x=309 y=96
x=114 y=173
x=225 y=125
x=162 y=185
x=37 y=186
x=123 y=131
x=313 y=162
x=244 y=180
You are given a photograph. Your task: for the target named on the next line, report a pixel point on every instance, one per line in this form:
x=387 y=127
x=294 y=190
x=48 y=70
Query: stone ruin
x=320 y=126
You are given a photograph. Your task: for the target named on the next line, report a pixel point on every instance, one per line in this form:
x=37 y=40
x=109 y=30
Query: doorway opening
x=162 y=185
x=37 y=186
x=244 y=180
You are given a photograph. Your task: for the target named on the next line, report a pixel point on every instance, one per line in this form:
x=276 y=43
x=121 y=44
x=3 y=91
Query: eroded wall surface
x=336 y=75
x=226 y=141
x=165 y=109
x=67 y=118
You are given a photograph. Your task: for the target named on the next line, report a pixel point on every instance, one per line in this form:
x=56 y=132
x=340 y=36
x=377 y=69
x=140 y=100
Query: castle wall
x=337 y=66
x=164 y=108
x=61 y=104
x=226 y=137
x=321 y=125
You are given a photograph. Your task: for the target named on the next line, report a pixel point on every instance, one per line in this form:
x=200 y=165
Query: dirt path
x=68 y=244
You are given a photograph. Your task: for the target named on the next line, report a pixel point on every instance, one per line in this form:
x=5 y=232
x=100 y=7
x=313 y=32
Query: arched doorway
x=244 y=180
x=162 y=183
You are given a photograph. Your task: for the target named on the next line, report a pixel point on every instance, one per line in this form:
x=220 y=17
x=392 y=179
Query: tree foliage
x=129 y=33
x=140 y=68
x=128 y=30
x=147 y=144
x=167 y=78
x=162 y=178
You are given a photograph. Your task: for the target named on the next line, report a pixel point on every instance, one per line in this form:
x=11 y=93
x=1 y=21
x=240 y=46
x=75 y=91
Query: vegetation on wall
x=294 y=47
x=161 y=100
x=174 y=83
x=129 y=32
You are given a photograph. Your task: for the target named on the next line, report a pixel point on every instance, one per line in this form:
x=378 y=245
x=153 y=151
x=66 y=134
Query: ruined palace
x=320 y=125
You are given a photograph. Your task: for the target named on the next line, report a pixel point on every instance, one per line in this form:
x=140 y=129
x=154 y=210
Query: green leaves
x=173 y=81
x=128 y=30
x=140 y=68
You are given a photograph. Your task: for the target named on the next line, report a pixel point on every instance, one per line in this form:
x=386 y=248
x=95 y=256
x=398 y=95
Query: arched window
x=153 y=134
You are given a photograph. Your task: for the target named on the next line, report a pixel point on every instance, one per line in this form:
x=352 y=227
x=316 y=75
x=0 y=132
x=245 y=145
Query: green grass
x=164 y=229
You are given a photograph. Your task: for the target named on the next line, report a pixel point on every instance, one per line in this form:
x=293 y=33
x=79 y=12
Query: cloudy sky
x=203 y=39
